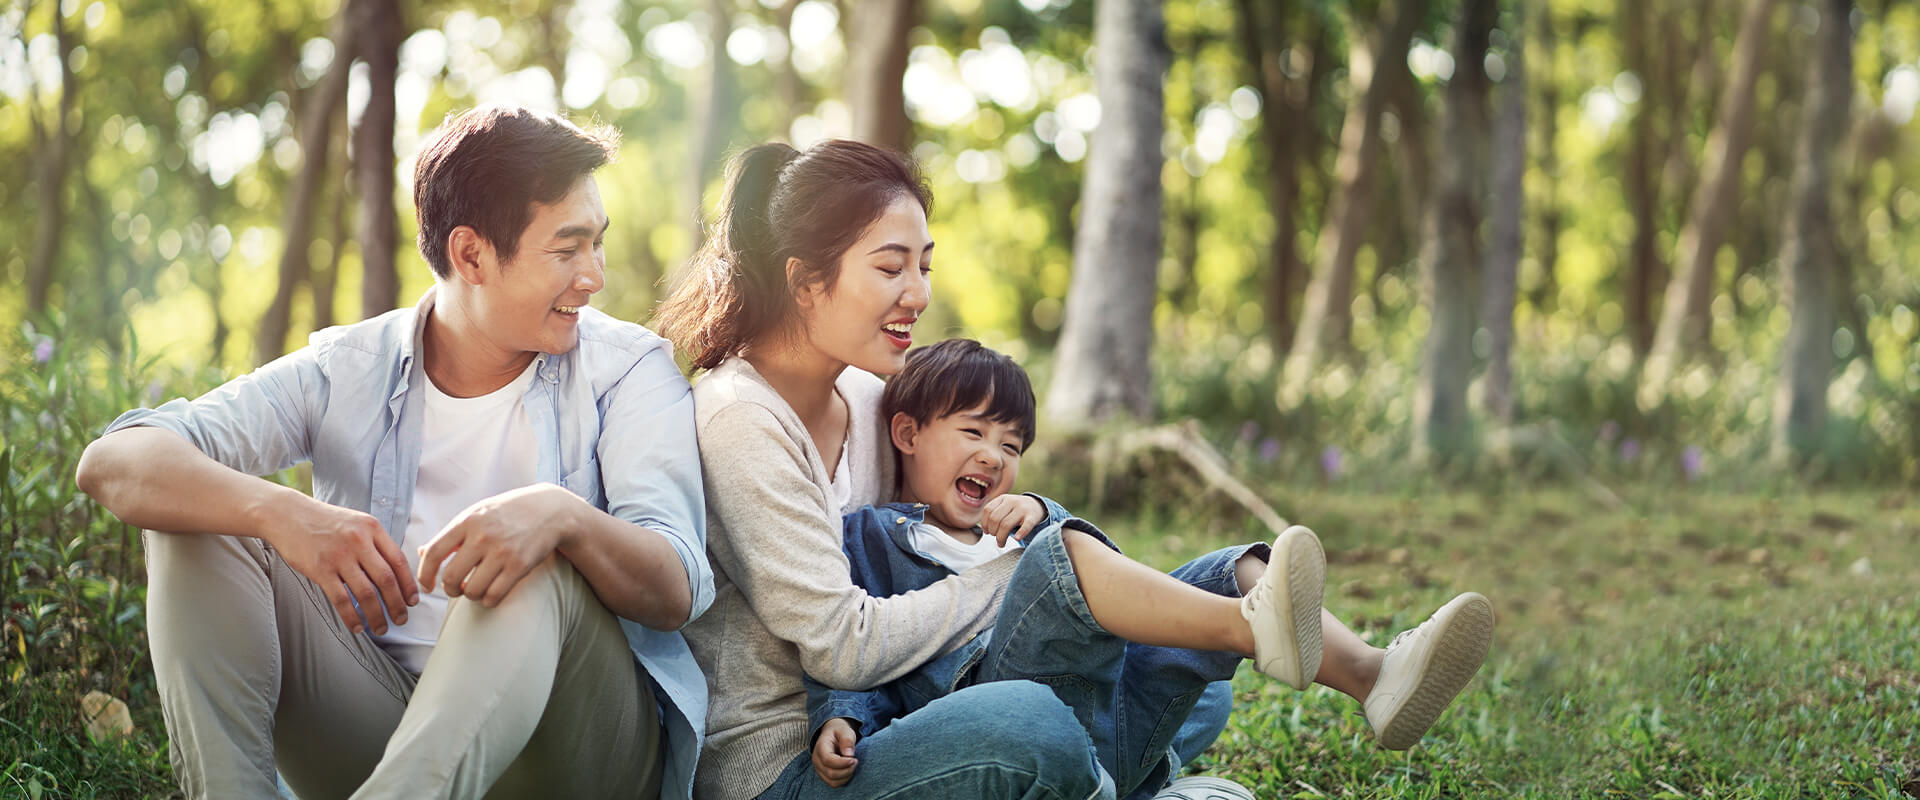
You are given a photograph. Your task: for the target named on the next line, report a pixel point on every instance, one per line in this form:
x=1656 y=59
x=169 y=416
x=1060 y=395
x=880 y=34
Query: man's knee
x=185 y=552
x=552 y=580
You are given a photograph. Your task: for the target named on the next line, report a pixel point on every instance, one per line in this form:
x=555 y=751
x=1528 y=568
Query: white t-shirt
x=472 y=448
x=955 y=554
x=841 y=488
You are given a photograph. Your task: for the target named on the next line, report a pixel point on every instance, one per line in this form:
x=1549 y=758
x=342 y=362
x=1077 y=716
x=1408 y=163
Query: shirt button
x=383 y=501
x=899 y=520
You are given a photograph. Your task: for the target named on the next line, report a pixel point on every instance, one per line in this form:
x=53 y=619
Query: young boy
x=1129 y=648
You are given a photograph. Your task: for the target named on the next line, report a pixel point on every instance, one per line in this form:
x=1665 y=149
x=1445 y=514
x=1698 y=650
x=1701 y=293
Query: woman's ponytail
x=710 y=311
x=746 y=223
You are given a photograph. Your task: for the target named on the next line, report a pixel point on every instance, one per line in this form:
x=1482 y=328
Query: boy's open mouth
x=971 y=488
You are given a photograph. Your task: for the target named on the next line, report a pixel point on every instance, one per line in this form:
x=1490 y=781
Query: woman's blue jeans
x=1006 y=740
x=1141 y=704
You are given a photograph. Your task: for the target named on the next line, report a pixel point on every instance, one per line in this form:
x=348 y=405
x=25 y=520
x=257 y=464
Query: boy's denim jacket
x=884 y=562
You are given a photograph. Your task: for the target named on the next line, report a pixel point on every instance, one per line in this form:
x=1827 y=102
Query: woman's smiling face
x=865 y=319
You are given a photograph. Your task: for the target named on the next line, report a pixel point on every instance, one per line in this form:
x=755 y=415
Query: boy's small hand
x=833 y=757
x=1012 y=515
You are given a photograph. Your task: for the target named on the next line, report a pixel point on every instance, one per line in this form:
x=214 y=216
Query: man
x=506 y=533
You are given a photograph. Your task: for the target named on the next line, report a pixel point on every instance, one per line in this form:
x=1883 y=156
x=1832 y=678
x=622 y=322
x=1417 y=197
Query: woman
x=820 y=264
x=808 y=288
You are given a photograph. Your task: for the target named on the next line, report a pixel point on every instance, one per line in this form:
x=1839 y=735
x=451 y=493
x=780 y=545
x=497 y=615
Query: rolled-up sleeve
x=650 y=464
x=259 y=423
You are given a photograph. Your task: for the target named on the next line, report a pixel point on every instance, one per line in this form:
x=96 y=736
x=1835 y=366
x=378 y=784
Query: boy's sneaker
x=1426 y=667
x=1284 y=609
x=1203 y=787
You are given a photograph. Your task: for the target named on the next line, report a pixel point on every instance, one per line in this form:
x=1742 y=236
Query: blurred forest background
x=1678 y=238
x=1610 y=310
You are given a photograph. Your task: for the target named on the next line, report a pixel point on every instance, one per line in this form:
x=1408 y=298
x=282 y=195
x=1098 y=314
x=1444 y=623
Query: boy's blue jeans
x=1141 y=704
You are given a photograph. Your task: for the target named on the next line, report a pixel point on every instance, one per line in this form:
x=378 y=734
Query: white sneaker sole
x=1204 y=787
x=1460 y=648
x=1306 y=564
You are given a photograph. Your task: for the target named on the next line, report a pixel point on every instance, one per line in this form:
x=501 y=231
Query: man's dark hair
x=956 y=375
x=487 y=167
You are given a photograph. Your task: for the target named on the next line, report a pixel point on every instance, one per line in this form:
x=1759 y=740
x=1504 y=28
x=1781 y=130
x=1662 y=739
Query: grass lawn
x=1691 y=645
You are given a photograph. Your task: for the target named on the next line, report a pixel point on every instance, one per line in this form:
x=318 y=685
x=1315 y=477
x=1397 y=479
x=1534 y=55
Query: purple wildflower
x=1331 y=460
x=1692 y=463
x=1269 y=450
x=43 y=351
x=154 y=388
x=1249 y=430
x=1609 y=431
x=1629 y=449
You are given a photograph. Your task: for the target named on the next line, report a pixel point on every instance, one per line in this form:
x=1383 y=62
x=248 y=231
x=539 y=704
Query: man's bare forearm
x=152 y=478
x=634 y=571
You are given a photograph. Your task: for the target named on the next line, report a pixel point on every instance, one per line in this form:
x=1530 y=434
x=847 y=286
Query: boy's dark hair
x=956 y=375
x=487 y=167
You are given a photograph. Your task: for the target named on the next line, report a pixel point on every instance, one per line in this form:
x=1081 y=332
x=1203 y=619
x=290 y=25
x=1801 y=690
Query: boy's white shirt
x=952 y=553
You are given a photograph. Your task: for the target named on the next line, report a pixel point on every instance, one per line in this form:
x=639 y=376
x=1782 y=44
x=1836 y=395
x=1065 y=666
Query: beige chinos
x=537 y=696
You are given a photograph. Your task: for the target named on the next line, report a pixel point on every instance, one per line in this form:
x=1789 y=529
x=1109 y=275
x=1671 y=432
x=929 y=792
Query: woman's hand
x=833 y=757
x=1014 y=515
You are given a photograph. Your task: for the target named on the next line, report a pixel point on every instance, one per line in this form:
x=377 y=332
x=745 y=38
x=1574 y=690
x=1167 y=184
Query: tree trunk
x=1108 y=328
x=1505 y=207
x=793 y=88
x=1411 y=172
x=1684 y=321
x=51 y=155
x=1689 y=91
x=1644 y=266
x=317 y=111
x=552 y=27
x=876 y=67
x=712 y=120
x=322 y=282
x=1811 y=251
x=1449 y=252
x=1755 y=246
x=378 y=31
x=209 y=275
x=1280 y=132
x=1545 y=292
x=1291 y=141
x=1874 y=138
x=1325 y=320
x=110 y=321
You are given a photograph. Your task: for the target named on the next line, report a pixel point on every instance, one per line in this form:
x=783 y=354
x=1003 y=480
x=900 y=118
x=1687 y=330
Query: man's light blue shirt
x=612 y=418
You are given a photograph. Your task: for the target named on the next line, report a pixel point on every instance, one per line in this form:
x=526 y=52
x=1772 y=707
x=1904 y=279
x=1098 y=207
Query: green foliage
x=72 y=588
x=1709 y=428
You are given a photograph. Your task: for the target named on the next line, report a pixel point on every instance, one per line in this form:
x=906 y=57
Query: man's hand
x=1012 y=515
x=833 y=757
x=348 y=555
x=497 y=541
